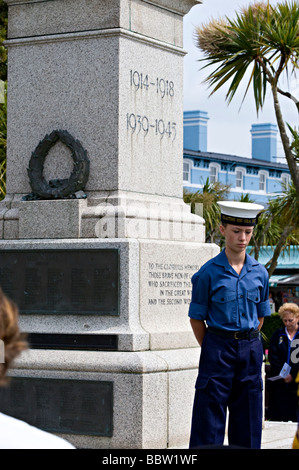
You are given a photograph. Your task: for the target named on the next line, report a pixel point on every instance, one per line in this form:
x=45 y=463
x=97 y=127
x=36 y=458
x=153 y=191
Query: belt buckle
x=236 y=335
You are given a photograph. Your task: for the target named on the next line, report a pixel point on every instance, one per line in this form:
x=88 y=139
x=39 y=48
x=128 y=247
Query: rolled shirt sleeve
x=263 y=307
x=199 y=308
x=227 y=300
x=198 y=311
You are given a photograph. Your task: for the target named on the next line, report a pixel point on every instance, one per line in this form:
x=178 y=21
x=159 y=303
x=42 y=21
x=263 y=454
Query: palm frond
x=262 y=39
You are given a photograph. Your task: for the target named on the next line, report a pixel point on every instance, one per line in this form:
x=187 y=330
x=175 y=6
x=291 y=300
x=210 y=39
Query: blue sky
x=229 y=126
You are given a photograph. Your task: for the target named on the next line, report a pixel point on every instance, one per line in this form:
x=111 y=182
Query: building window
x=239 y=178
x=186 y=171
x=263 y=182
x=213 y=173
x=285 y=181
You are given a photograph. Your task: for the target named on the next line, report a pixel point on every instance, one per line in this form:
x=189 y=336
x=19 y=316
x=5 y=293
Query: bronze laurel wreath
x=58 y=189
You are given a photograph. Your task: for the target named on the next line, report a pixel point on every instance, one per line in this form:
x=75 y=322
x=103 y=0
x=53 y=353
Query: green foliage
x=282 y=212
x=295 y=143
x=262 y=39
x=3 y=125
x=262 y=43
x=208 y=196
x=3 y=135
x=3 y=106
x=271 y=324
x=246 y=198
x=3 y=33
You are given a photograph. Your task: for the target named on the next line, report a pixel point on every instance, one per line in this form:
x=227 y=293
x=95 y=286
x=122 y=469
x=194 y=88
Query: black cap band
x=228 y=219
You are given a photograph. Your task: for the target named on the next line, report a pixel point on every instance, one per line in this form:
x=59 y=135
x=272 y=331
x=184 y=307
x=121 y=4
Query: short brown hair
x=288 y=307
x=14 y=341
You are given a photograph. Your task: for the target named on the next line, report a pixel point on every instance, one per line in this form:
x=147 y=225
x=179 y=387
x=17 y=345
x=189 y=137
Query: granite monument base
x=109 y=332
x=148 y=404
x=117 y=214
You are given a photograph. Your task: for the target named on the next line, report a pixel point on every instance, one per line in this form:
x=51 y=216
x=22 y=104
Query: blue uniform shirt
x=229 y=301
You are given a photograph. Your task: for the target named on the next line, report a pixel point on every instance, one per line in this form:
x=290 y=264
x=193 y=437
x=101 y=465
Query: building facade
x=261 y=177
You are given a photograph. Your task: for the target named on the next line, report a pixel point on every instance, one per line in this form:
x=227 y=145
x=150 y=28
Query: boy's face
x=237 y=237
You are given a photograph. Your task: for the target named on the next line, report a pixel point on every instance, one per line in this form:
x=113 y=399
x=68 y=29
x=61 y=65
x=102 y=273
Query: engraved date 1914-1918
x=142 y=81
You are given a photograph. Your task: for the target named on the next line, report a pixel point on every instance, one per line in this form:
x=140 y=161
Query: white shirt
x=16 y=434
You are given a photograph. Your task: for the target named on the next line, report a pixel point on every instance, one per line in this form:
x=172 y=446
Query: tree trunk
x=285 y=141
x=260 y=242
x=279 y=246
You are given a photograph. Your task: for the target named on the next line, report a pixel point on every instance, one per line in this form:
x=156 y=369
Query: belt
x=235 y=334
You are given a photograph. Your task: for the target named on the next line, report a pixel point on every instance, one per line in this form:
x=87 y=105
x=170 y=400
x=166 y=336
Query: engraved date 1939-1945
x=138 y=123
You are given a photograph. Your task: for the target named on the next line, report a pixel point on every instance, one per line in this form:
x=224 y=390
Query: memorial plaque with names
x=61 y=406
x=62 y=281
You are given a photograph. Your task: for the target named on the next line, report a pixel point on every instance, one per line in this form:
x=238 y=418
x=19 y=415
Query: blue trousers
x=229 y=377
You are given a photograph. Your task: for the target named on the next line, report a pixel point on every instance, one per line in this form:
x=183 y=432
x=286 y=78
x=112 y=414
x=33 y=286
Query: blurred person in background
x=283 y=352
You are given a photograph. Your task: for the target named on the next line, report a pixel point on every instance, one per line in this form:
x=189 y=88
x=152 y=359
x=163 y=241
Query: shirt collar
x=221 y=260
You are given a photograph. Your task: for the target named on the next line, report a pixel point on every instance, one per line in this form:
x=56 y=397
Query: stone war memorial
x=97 y=246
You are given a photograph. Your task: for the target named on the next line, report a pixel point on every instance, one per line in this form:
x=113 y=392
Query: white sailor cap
x=239 y=213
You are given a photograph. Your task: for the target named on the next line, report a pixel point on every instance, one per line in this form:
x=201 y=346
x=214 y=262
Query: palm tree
x=295 y=143
x=285 y=213
x=277 y=226
x=208 y=197
x=266 y=39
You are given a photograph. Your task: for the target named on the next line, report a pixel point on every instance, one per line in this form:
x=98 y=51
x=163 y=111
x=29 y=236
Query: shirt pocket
x=254 y=295
x=224 y=306
x=224 y=296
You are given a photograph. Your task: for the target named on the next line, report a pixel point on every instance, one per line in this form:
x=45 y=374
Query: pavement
x=277 y=435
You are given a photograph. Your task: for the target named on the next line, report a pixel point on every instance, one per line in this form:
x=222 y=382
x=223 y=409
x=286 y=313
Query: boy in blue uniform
x=229 y=302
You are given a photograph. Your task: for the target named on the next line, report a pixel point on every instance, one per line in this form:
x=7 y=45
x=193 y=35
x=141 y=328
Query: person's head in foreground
x=13 y=340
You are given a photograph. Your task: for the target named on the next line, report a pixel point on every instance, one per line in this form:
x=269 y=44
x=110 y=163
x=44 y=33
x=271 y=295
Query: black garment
x=283 y=401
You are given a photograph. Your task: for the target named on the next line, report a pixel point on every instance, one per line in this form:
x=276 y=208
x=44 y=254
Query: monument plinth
x=113 y=80
x=98 y=247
